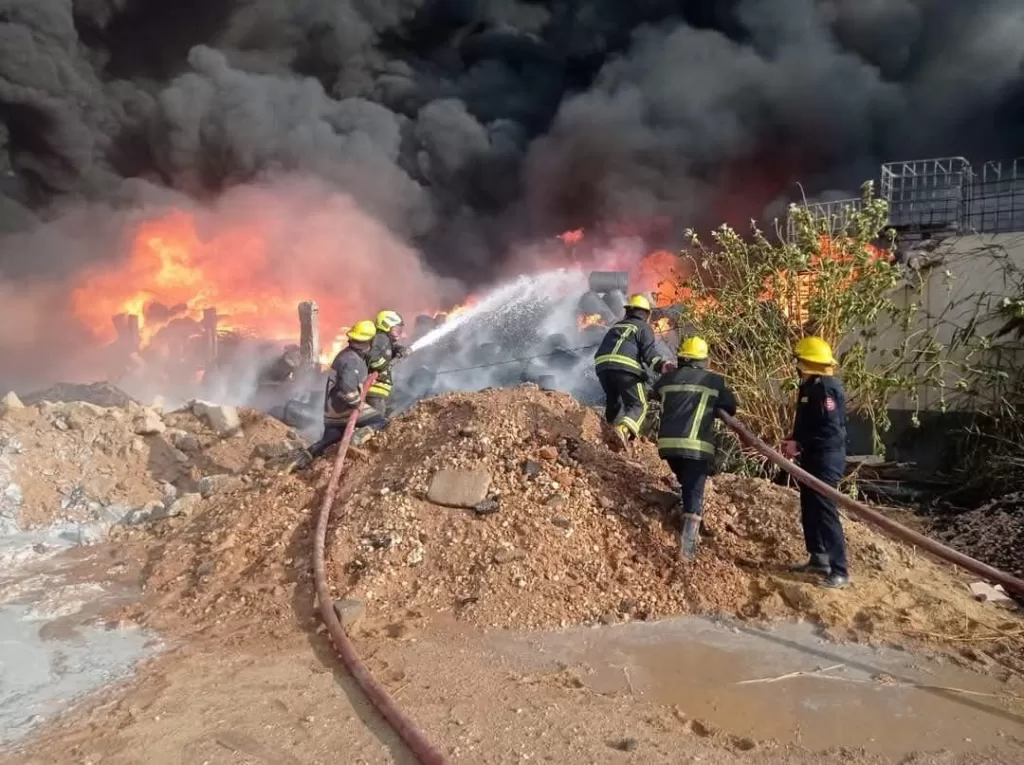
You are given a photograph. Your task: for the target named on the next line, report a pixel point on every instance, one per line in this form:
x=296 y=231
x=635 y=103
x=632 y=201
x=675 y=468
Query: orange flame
x=590 y=320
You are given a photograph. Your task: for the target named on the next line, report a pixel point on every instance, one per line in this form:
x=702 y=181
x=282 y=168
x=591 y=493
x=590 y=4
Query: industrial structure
x=960 y=239
x=945 y=197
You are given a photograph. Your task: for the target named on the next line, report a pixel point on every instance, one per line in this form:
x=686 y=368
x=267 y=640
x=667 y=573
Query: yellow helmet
x=693 y=348
x=814 y=350
x=388 y=320
x=362 y=331
x=639 y=301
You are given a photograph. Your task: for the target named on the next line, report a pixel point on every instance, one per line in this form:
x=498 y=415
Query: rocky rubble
x=993 y=533
x=504 y=508
x=77 y=462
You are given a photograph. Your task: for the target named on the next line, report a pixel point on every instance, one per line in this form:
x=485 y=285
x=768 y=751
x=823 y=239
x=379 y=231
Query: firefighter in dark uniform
x=343 y=393
x=384 y=350
x=622 y=361
x=819 y=440
x=689 y=395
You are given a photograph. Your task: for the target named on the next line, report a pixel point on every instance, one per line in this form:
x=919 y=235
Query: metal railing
x=945 y=195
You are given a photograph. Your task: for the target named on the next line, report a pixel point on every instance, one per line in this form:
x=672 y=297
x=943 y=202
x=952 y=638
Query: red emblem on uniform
x=830 y=404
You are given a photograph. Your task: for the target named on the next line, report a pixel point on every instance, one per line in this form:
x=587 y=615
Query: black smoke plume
x=467 y=126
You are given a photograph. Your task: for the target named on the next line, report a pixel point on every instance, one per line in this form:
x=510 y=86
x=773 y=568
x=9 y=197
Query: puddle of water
x=54 y=647
x=773 y=684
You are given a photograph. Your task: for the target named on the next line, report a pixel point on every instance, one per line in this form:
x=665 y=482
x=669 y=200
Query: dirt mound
x=569 y=532
x=82 y=463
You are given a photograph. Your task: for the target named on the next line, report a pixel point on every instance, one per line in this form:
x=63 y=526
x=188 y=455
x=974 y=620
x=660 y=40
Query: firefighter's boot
x=300 y=461
x=624 y=436
x=690 y=536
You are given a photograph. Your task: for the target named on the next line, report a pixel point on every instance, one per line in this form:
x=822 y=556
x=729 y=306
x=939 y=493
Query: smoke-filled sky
x=464 y=125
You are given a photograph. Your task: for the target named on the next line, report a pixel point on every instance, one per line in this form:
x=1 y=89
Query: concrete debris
x=459 y=488
x=148 y=423
x=223 y=420
x=985 y=592
x=10 y=402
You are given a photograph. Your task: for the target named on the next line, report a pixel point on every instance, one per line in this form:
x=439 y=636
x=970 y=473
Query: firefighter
x=819 y=440
x=384 y=350
x=343 y=393
x=622 y=361
x=689 y=396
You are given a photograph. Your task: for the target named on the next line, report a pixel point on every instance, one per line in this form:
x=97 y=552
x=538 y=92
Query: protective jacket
x=689 y=396
x=383 y=352
x=820 y=425
x=344 y=386
x=629 y=346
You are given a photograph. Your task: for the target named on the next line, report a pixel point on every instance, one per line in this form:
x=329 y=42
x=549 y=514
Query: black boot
x=818 y=564
x=835 y=582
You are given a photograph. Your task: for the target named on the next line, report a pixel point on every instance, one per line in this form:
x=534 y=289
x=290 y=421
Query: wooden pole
x=210 y=337
x=309 y=334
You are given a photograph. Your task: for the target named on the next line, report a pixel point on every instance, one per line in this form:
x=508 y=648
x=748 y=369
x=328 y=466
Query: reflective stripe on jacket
x=689 y=396
x=629 y=346
x=382 y=356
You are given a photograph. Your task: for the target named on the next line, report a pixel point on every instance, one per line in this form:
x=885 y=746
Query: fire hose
x=865 y=513
x=406 y=729
x=411 y=736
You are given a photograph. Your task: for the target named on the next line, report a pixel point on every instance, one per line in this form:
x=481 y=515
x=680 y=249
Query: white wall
x=962 y=285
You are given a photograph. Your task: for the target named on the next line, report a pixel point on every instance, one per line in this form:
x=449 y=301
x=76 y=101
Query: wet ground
x=55 y=645
x=785 y=684
x=678 y=691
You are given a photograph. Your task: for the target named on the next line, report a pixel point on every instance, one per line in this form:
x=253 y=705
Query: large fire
x=177 y=277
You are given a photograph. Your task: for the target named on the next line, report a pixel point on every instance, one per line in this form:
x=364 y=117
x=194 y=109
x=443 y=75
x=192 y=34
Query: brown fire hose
x=1009 y=583
x=412 y=736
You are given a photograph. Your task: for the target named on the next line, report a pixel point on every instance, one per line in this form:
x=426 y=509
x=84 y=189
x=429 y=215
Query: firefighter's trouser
x=625 y=399
x=819 y=515
x=378 y=402
x=335 y=431
x=692 y=476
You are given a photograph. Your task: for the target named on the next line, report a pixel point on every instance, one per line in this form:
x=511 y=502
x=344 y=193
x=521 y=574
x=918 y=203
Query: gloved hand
x=790 y=449
x=401 y=351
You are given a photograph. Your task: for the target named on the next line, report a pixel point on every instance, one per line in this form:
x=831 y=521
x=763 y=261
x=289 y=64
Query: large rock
x=350 y=612
x=459 y=488
x=10 y=402
x=223 y=420
x=148 y=423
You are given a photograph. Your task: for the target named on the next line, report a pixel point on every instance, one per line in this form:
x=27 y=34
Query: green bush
x=743 y=291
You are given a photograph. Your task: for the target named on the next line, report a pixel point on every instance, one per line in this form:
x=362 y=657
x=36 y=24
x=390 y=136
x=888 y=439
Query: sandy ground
x=464 y=610
x=666 y=694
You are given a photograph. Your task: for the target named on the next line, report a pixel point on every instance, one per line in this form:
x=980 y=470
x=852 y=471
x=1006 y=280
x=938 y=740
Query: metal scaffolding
x=928 y=195
x=997 y=202
x=937 y=196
